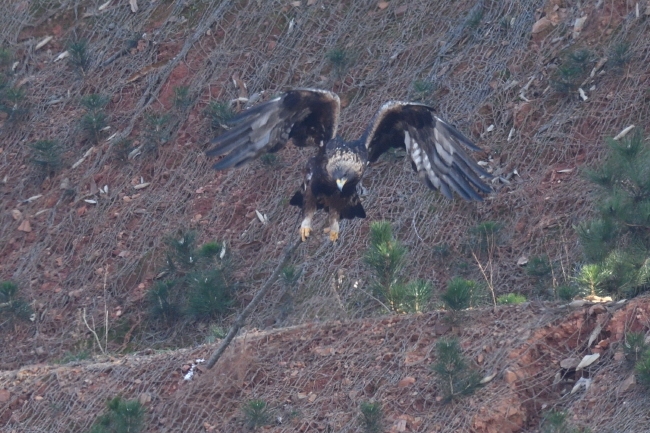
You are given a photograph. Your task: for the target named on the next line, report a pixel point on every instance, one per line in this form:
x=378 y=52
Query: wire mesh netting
x=478 y=63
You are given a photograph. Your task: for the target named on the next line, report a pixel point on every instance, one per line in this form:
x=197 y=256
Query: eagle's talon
x=304 y=233
x=334 y=236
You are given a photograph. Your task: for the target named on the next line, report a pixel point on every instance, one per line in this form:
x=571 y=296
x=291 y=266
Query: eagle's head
x=344 y=163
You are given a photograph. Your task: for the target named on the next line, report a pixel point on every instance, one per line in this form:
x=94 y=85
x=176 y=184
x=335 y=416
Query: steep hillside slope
x=314 y=376
x=86 y=242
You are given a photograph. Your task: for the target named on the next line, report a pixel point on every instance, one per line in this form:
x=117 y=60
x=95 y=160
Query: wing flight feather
x=436 y=149
x=308 y=117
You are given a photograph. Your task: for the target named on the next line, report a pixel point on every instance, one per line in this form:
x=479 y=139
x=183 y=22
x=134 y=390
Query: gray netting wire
x=381 y=200
x=470 y=58
x=315 y=376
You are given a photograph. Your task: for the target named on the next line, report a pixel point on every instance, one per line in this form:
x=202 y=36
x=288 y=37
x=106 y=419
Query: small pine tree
x=617 y=242
x=340 y=60
x=556 y=422
x=79 y=56
x=12 y=101
x=220 y=114
x=634 y=346
x=642 y=368
x=210 y=294
x=455 y=377
x=571 y=72
x=182 y=99
x=12 y=306
x=199 y=284
x=95 y=119
x=387 y=257
x=256 y=414
x=372 y=416
x=460 y=293
x=156 y=131
x=46 y=155
x=122 y=416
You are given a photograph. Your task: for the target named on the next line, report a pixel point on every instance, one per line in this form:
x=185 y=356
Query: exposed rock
x=541 y=25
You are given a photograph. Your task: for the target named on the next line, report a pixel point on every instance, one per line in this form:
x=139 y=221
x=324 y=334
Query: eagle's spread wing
x=434 y=146
x=308 y=117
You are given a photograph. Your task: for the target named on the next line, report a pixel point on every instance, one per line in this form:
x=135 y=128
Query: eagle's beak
x=340 y=183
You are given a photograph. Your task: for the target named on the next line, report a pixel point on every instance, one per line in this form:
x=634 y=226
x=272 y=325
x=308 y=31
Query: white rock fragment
x=43 y=42
x=583 y=95
x=623 y=133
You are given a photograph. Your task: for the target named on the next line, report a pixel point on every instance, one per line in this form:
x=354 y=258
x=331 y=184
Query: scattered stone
x=541 y=25
x=626 y=384
x=597 y=309
x=570 y=363
x=25 y=226
x=578 y=26
x=407 y=381
x=509 y=376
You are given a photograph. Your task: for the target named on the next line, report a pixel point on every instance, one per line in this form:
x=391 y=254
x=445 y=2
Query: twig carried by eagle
x=241 y=319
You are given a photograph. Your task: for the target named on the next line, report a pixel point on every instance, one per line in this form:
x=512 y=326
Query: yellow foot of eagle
x=334 y=236
x=304 y=233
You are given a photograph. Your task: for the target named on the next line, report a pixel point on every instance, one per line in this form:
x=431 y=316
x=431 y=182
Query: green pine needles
x=46 y=156
x=387 y=258
x=617 y=242
x=455 y=377
x=256 y=414
x=12 y=306
x=94 y=120
x=372 y=417
x=198 y=284
x=122 y=416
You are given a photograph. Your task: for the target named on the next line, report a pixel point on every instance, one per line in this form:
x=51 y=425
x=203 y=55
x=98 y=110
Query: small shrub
x=340 y=60
x=12 y=306
x=475 y=18
x=511 y=299
x=164 y=302
x=538 y=266
x=122 y=148
x=256 y=414
x=180 y=252
x=270 y=159
x=289 y=276
x=556 y=422
x=386 y=258
x=156 y=131
x=46 y=155
x=567 y=292
x=459 y=294
x=182 y=98
x=591 y=279
x=95 y=119
x=210 y=294
x=199 y=285
x=122 y=416
x=423 y=90
x=642 y=368
x=484 y=236
x=220 y=114
x=12 y=103
x=417 y=294
x=571 y=72
x=634 y=346
x=372 y=416
x=619 y=55
x=79 y=56
x=455 y=377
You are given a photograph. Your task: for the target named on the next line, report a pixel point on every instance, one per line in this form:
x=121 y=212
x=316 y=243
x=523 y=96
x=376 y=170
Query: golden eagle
x=309 y=117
